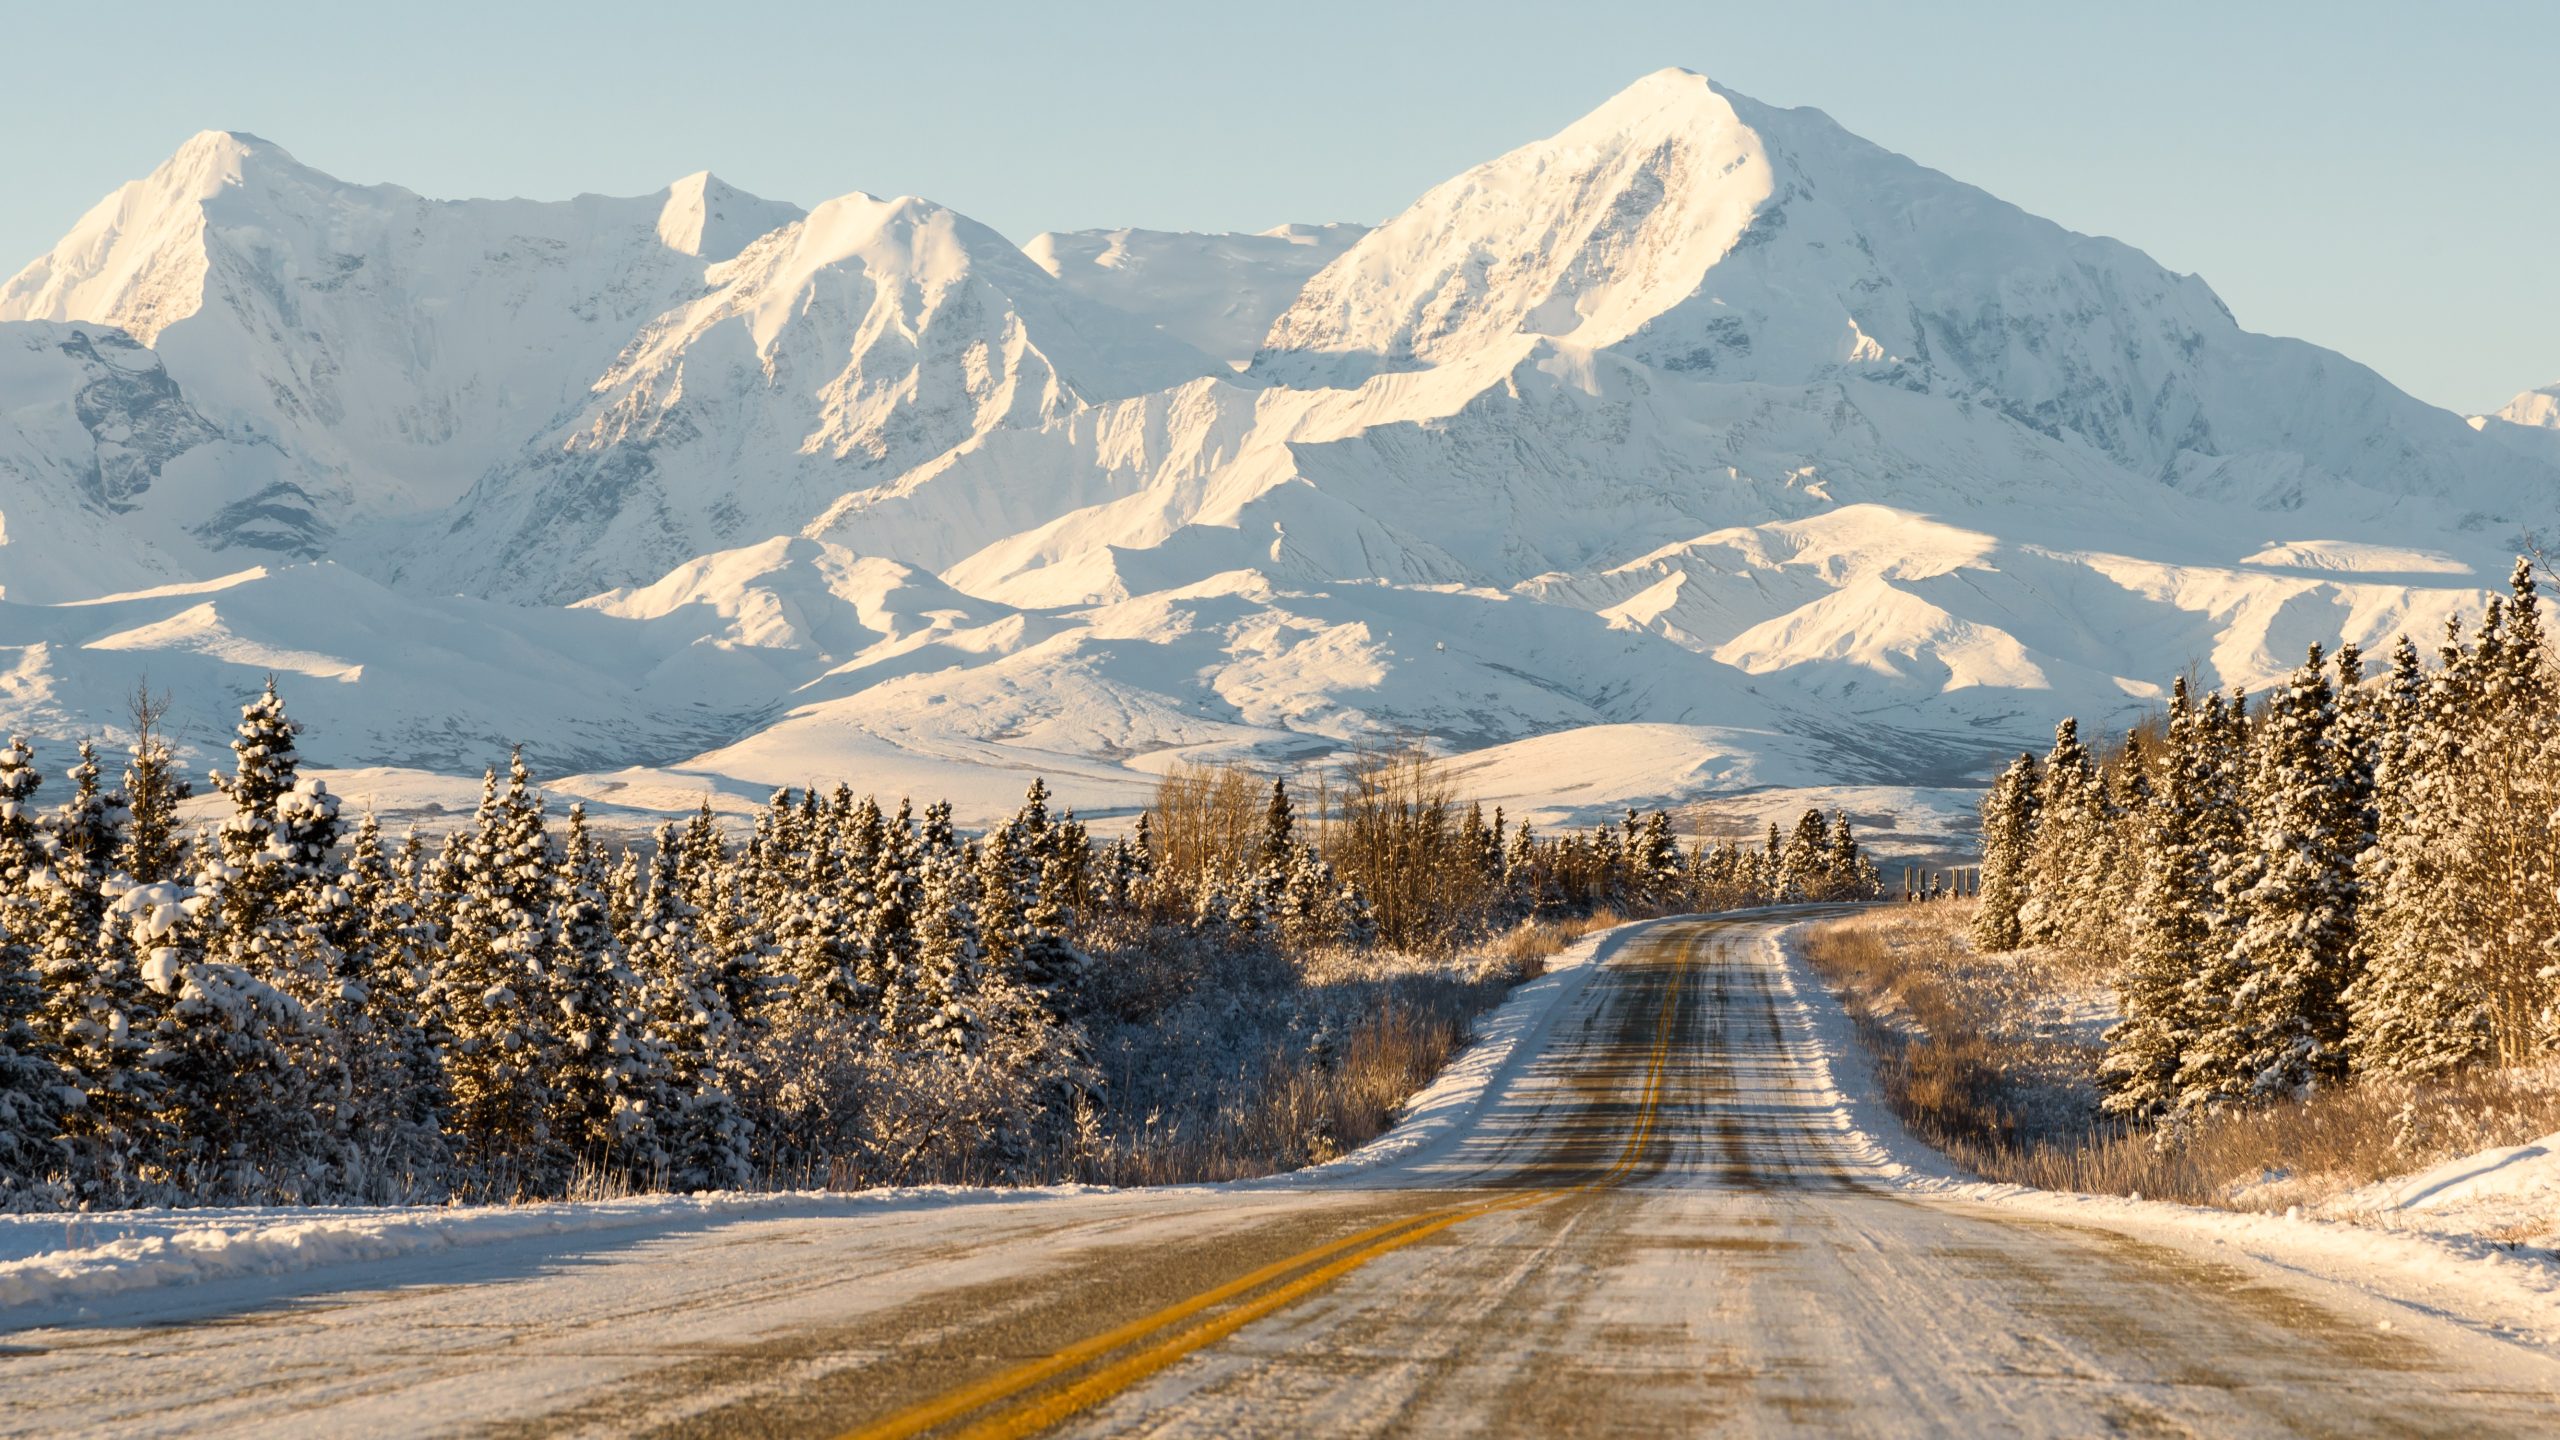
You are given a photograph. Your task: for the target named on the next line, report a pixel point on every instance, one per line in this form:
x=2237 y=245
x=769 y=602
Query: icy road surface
x=1655 y=1220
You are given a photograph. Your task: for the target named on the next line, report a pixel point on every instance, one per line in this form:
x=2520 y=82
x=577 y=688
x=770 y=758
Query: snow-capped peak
x=138 y=259
x=710 y=219
x=2537 y=408
x=1584 y=236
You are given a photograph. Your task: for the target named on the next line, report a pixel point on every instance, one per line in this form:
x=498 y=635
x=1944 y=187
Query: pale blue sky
x=2377 y=178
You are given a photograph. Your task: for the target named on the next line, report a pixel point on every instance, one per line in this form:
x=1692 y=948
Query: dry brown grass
x=1978 y=1054
x=1526 y=948
x=1968 y=1052
x=1310 y=1109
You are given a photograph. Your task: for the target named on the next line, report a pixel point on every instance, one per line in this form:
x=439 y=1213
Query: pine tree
x=1049 y=963
x=2169 y=925
x=153 y=788
x=2008 y=843
x=2070 y=823
x=35 y=1090
x=598 y=1104
x=687 y=1058
x=395 y=1068
x=93 y=996
x=948 y=957
x=2285 y=1023
x=1657 y=859
x=493 y=994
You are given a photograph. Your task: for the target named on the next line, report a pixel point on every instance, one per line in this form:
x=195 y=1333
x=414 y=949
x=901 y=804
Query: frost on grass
x=1995 y=1059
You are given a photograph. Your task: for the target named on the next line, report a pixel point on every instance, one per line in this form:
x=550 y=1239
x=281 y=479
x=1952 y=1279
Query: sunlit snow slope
x=1702 y=447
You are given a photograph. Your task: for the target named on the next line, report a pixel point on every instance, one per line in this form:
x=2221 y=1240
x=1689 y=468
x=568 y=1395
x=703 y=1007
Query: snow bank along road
x=1654 y=1220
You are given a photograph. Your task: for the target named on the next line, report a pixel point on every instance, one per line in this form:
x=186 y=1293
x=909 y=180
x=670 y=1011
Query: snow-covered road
x=1644 y=1206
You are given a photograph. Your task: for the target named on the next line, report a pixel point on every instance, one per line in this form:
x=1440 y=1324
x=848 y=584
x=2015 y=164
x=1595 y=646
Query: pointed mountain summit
x=139 y=259
x=712 y=220
x=1732 y=444
x=387 y=348
x=1701 y=233
x=2537 y=408
x=827 y=358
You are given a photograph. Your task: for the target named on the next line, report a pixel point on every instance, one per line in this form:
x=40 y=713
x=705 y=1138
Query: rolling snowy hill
x=1702 y=447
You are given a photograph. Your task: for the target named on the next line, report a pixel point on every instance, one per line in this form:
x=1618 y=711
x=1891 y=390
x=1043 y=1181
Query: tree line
x=284 y=1005
x=2353 y=876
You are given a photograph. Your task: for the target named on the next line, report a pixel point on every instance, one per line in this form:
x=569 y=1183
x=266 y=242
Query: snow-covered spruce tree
x=598 y=1102
x=2515 y=859
x=2102 y=880
x=1051 y=967
x=1257 y=895
x=948 y=957
x=493 y=991
x=1657 y=859
x=153 y=849
x=2222 y=826
x=891 y=964
x=2285 y=1026
x=2008 y=843
x=263 y=903
x=35 y=1089
x=1143 y=888
x=1278 y=831
x=1071 y=847
x=1001 y=897
x=1310 y=909
x=2168 y=925
x=1852 y=871
x=1524 y=880
x=2463 y=906
x=727 y=928
x=93 y=994
x=395 y=1068
x=1804 y=863
x=22 y=854
x=688 y=1055
x=2410 y=1012
x=2070 y=824
x=237 y=1120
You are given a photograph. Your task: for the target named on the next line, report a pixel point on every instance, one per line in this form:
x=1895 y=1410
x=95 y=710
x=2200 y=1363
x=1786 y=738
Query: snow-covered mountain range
x=1700 y=447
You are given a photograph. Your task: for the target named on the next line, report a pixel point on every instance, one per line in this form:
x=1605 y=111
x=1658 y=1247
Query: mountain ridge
x=1772 y=453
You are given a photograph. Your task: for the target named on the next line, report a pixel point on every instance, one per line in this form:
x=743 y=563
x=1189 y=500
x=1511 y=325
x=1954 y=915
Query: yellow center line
x=1364 y=1246
x=996 y=1387
x=1037 y=1415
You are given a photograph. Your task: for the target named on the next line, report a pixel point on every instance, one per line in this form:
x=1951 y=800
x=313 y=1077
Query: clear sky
x=2375 y=177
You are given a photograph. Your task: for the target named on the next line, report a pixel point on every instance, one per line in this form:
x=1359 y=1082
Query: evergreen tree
x=153 y=787
x=2070 y=822
x=598 y=1101
x=688 y=1056
x=948 y=957
x=1657 y=859
x=93 y=996
x=493 y=994
x=2169 y=925
x=34 y=1088
x=2283 y=1025
x=2008 y=844
x=395 y=1068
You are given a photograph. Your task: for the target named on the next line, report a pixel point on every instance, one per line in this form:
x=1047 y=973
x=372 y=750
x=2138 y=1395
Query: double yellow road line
x=1007 y=1406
